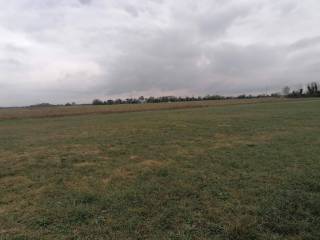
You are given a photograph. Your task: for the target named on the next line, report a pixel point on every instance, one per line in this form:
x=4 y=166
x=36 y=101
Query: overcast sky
x=76 y=50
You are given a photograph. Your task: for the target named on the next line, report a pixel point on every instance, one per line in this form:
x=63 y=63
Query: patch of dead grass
x=81 y=184
x=14 y=182
x=134 y=157
x=151 y=164
x=9 y=231
x=224 y=140
x=52 y=155
x=84 y=164
x=130 y=172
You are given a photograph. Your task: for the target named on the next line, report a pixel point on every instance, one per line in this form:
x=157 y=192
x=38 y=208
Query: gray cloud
x=85 y=1
x=306 y=43
x=76 y=50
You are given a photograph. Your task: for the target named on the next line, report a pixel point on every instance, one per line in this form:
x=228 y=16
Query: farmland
x=62 y=111
x=231 y=169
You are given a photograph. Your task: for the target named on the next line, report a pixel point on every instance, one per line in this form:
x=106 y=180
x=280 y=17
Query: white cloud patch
x=76 y=50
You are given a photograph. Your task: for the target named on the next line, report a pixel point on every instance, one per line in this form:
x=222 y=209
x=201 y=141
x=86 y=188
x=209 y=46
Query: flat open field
x=61 y=111
x=231 y=170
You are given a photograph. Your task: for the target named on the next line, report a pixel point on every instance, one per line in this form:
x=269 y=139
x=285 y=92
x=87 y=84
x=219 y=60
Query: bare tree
x=286 y=90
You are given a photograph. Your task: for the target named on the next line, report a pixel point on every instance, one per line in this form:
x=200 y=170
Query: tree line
x=166 y=99
x=312 y=90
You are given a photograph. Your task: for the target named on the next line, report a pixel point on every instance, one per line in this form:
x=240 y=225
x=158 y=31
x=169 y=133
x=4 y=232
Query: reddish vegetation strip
x=61 y=111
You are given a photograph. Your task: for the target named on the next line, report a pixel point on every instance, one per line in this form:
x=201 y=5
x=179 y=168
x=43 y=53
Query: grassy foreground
x=248 y=171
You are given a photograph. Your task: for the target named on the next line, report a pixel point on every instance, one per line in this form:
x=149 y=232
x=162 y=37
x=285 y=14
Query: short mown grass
x=247 y=171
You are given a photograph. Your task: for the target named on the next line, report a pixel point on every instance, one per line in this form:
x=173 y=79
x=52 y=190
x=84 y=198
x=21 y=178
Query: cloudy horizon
x=61 y=51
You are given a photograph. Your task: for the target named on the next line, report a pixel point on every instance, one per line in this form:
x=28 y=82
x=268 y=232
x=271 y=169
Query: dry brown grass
x=151 y=164
x=130 y=172
x=59 y=111
x=223 y=140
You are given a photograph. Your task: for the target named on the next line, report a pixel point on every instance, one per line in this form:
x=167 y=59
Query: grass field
x=62 y=111
x=239 y=170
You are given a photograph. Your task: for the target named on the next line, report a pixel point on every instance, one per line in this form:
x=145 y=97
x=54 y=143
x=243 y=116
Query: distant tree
x=97 y=102
x=296 y=94
x=151 y=100
x=286 y=91
x=301 y=92
x=242 y=96
x=110 y=102
x=141 y=99
x=312 y=90
x=276 y=94
x=70 y=104
x=43 y=105
x=118 y=101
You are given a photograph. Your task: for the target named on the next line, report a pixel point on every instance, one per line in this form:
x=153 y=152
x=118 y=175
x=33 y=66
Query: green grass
x=249 y=171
